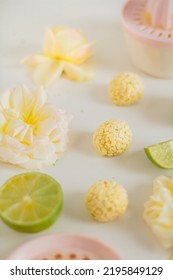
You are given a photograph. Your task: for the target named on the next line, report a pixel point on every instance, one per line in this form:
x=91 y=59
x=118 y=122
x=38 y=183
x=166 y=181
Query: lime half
x=30 y=202
x=161 y=154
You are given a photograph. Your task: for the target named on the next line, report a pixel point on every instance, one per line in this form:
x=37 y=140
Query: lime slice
x=30 y=202
x=161 y=154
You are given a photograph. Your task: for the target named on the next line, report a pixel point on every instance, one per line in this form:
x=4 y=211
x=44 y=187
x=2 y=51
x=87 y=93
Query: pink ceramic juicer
x=148 y=27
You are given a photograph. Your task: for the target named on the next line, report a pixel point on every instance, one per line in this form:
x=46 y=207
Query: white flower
x=64 y=50
x=158 y=211
x=33 y=133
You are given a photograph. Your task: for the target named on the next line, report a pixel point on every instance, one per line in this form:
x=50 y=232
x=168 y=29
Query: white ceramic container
x=148 y=28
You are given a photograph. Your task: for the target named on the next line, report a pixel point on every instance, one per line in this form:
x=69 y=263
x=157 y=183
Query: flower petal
x=2 y=121
x=9 y=155
x=45 y=71
x=45 y=127
x=32 y=61
x=16 y=98
x=16 y=128
x=37 y=164
x=158 y=210
x=66 y=44
x=81 y=54
x=37 y=100
x=33 y=133
x=67 y=40
x=5 y=100
x=76 y=73
x=42 y=151
x=14 y=144
x=51 y=111
x=49 y=42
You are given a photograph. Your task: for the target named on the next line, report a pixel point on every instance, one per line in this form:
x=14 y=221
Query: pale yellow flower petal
x=2 y=121
x=158 y=210
x=67 y=40
x=33 y=133
x=8 y=155
x=32 y=61
x=37 y=100
x=66 y=44
x=45 y=127
x=61 y=45
x=16 y=99
x=81 y=54
x=10 y=114
x=45 y=74
x=50 y=111
x=43 y=151
x=49 y=44
x=13 y=144
x=76 y=73
x=14 y=127
x=46 y=71
x=18 y=129
x=37 y=164
x=5 y=104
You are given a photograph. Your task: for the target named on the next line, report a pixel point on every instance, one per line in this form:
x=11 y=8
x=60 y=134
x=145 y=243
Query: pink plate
x=63 y=247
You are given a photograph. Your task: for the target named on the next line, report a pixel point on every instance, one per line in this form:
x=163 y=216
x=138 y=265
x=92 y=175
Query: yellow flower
x=33 y=133
x=158 y=210
x=64 y=49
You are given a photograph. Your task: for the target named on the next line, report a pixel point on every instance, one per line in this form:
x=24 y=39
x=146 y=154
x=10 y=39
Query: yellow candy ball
x=126 y=89
x=106 y=201
x=112 y=138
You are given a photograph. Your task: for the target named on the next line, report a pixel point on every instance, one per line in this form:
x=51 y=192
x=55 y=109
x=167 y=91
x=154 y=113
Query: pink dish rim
x=105 y=247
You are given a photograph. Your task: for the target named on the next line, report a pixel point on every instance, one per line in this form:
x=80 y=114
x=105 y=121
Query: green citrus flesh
x=161 y=154
x=30 y=202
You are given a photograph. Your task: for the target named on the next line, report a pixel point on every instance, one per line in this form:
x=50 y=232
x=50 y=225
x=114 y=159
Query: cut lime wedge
x=161 y=154
x=30 y=202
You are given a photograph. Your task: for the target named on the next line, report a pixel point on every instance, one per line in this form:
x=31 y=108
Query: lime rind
x=161 y=154
x=34 y=227
x=20 y=216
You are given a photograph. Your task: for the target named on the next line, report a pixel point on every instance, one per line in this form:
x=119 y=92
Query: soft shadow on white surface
x=10 y=168
x=99 y=94
x=135 y=162
x=74 y=206
x=158 y=109
x=140 y=230
x=138 y=163
x=82 y=142
x=14 y=239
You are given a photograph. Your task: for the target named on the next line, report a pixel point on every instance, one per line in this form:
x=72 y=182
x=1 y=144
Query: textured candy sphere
x=112 y=138
x=106 y=201
x=126 y=89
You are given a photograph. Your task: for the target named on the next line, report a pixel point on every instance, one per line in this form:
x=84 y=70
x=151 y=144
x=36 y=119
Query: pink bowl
x=63 y=247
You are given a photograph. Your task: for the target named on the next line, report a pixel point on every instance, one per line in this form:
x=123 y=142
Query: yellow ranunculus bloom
x=64 y=50
x=33 y=133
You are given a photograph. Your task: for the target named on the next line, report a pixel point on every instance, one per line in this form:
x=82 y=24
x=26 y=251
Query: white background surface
x=22 y=25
